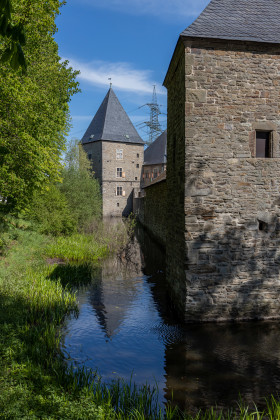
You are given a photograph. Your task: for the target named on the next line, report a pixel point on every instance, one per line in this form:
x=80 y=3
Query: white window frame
x=119 y=154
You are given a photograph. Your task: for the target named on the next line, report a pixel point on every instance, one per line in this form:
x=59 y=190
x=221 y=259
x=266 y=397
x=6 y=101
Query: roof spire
x=111 y=123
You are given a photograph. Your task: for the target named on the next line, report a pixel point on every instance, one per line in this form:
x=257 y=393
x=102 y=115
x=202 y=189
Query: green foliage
x=72 y=205
x=9 y=230
x=14 y=37
x=50 y=211
x=80 y=188
x=34 y=107
x=78 y=248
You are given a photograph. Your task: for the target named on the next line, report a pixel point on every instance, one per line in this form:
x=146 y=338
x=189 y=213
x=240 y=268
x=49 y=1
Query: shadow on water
x=128 y=326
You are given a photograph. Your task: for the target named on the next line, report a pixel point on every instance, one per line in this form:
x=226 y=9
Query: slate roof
x=250 y=20
x=156 y=152
x=111 y=123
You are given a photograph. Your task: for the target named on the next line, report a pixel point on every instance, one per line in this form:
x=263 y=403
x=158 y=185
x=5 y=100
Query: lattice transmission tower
x=154 y=126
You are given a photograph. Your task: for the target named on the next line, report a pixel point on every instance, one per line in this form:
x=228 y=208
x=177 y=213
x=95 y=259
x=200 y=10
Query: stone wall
x=175 y=176
x=152 y=210
x=151 y=172
x=231 y=205
x=94 y=152
x=105 y=164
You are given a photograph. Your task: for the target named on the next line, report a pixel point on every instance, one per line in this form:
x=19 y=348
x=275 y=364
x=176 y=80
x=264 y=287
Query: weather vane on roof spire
x=110 y=78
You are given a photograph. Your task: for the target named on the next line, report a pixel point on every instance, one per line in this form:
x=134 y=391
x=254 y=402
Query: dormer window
x=263 y=144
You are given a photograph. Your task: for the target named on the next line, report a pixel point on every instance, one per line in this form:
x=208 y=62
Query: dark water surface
x=126 y=328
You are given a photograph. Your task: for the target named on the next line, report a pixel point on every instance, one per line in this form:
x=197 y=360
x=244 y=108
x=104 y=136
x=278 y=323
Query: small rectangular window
x=119 y=172
x=136 y=178
x=118 y=204
x=263 y=144
x=89 y=156
x=137 y=165
x=138 y=155
x=155 y=173
x=119 y=191
x=119 y=154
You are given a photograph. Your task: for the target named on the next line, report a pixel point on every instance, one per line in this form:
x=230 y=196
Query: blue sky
x=131 y=41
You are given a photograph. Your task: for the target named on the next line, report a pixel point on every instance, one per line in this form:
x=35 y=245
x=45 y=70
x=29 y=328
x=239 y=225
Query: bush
x=50 y=211
x=72 y=205
x=81 y=189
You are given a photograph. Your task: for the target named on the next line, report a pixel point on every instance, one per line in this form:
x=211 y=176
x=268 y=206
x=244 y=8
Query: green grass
x=77 y=248
x=35 y=381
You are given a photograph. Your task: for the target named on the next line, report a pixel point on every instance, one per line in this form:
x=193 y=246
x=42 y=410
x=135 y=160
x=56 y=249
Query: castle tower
x=223 y=168
x=116 y=151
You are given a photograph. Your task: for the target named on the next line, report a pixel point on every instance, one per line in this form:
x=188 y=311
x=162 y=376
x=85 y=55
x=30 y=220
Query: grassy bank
x=35 y=299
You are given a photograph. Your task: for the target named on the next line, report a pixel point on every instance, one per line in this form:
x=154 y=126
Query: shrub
x=81 y=189
x=50 y=211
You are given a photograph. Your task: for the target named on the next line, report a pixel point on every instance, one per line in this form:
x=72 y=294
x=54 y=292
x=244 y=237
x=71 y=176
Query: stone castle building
x=116 y=151
x=223 y=171
x=154 y=160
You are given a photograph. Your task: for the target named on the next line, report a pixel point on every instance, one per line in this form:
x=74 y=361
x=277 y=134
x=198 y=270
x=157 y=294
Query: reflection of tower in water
x=115 y=287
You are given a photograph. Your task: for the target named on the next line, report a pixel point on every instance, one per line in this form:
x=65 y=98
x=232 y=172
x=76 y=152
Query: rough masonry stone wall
x=105 y=164
x=131 y=163
x=152 y=210
x=175 y=176
x=94 y=149
x=232 y=198
x=151 y=172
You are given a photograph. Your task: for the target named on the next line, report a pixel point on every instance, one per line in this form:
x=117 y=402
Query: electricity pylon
x=153 y=124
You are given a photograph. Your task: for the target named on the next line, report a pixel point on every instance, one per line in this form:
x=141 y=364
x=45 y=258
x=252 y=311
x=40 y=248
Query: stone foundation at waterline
x=223 y=203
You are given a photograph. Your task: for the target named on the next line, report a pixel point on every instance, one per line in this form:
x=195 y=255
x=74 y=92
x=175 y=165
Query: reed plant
x=100 y=240
x=77 y=248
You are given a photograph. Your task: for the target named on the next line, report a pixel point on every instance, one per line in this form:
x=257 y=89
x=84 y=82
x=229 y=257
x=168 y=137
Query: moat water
x=126 y=328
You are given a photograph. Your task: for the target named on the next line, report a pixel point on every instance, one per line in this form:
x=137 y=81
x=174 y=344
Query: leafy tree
x=72 y=205
x=81 y=189
x=13 y=36
x=34 y=114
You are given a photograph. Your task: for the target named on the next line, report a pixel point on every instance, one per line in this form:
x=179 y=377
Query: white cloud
x=159 y=8
x=123 y=75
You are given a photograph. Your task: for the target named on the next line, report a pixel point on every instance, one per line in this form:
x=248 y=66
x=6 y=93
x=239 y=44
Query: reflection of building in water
x=115 y=287
x=214 y=364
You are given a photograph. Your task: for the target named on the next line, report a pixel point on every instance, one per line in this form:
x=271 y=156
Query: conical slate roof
x=156 y=152
x=247 y=20
x=111 y=123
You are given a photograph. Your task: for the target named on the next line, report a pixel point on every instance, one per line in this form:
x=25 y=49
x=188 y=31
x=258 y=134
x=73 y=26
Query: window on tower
x=263 y=144
x=119 y=191
x=119 y=154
